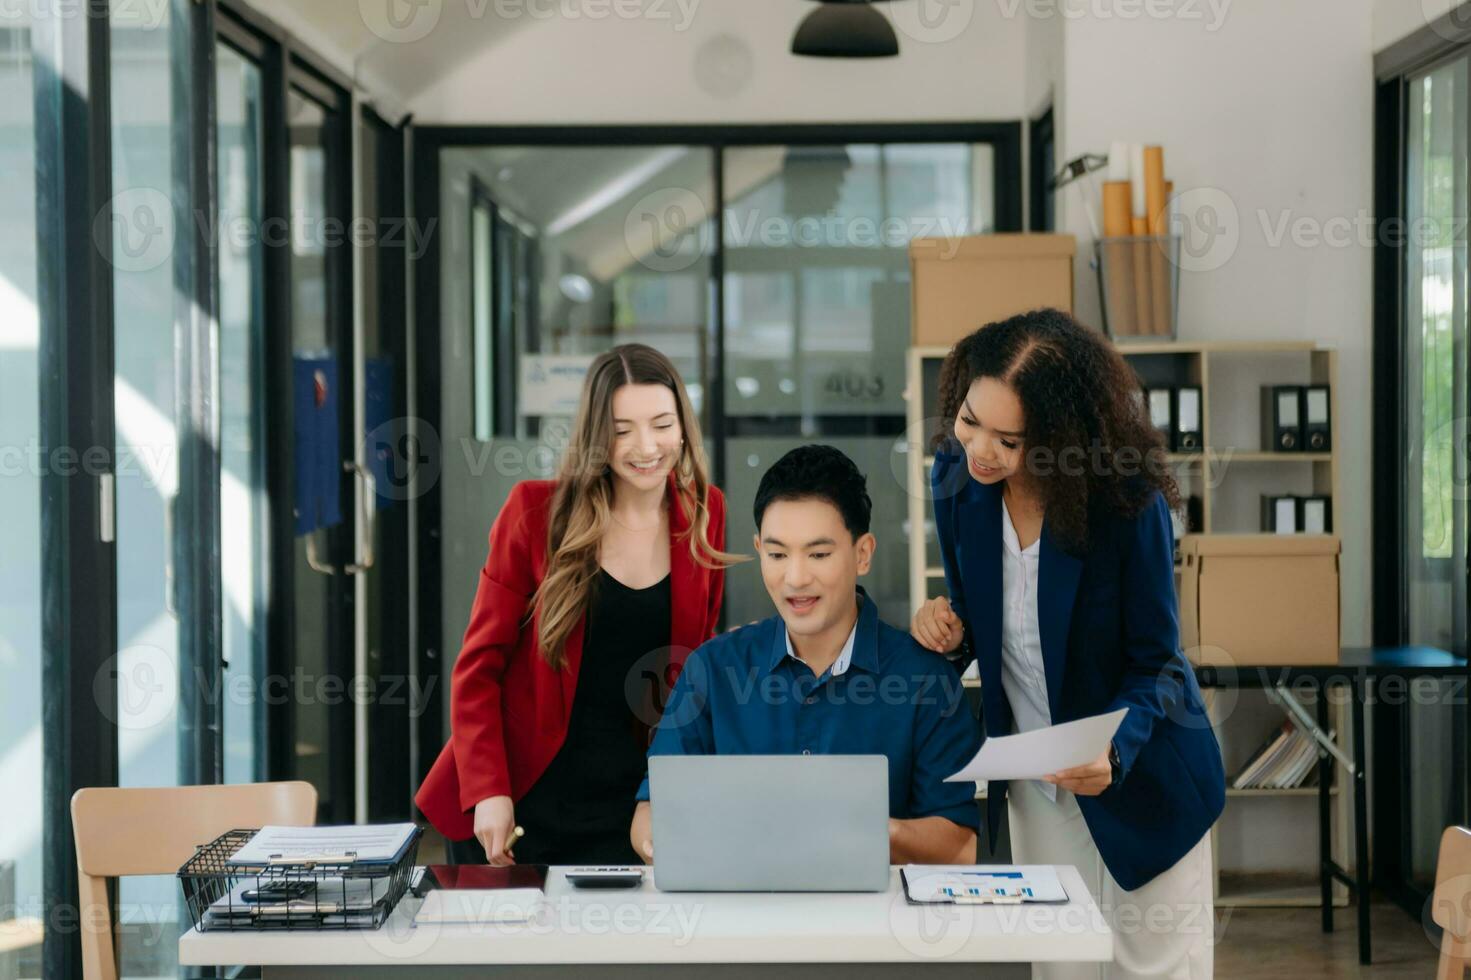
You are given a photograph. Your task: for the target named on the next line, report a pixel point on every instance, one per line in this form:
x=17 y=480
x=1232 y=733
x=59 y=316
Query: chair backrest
x=153 y=832
x=1451 y=906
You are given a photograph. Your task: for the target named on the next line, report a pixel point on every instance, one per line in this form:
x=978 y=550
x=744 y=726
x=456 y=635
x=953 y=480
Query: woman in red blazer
x=596 y=587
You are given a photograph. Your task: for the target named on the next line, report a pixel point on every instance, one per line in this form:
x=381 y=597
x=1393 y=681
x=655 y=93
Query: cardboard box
x=1259 y=599
x=959 y=285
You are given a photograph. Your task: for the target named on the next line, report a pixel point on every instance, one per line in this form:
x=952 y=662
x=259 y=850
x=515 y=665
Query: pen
x=516 y=835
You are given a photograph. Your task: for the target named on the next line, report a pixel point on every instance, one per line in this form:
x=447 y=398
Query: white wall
x=704 y=61
x=1043 y=81
x=1396 y=19
x=1270 y=114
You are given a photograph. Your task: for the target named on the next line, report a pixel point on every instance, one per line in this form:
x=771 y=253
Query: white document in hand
x=1034 y=754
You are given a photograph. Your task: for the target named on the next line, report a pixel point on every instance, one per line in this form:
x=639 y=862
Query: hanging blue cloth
x=381 y=455
x=318 y=500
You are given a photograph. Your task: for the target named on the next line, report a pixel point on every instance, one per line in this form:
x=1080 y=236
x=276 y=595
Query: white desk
x=847 y=935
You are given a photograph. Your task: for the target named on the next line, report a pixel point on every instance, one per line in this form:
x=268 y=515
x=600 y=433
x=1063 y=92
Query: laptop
x=770 y=823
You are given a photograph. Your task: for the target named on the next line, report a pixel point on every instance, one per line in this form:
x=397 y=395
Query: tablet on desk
x=483 y=877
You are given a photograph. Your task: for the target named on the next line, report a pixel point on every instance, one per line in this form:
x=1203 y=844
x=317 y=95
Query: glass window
x=318 y=721
x=20 y=501
x=482 y=277
x=552 y=255
x=817 y=320
x=143 y=225
x=571 y=250
x=242 y=441
x=1435 y=476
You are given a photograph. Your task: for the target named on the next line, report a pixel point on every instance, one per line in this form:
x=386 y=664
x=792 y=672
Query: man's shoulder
x=900 y=653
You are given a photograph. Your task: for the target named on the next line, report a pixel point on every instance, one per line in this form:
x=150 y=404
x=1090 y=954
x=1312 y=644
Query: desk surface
x=1407 y=661
x=644 y=925
x=1401 y=661
x=1390 y=659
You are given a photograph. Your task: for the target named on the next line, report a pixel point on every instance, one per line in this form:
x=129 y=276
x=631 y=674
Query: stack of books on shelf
x=1286 y=760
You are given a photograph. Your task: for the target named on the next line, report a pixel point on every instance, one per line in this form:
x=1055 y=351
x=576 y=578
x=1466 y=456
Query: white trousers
x=1164 y=930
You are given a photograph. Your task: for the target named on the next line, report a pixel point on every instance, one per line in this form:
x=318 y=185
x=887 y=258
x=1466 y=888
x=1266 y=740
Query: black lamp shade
x=845 y=30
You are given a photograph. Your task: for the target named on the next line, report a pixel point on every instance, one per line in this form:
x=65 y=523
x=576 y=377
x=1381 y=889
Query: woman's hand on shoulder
x=937 y=627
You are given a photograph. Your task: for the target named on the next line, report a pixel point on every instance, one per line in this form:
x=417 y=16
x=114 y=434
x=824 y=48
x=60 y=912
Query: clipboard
x=981 y=884
x=360 y=845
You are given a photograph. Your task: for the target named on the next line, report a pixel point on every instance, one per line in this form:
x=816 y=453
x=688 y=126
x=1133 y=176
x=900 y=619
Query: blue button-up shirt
x=743 y=694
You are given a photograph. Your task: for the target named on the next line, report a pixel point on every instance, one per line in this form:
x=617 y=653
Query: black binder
x=1317 y=426
x=1189 y=436
x=1281 y=418
x=1279 y=514
x=1194 y=514
x=1315 y=515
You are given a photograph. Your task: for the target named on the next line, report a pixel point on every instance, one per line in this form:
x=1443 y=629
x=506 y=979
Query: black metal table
x=1355 y=668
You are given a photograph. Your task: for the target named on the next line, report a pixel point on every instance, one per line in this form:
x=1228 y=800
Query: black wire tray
x=319 y=895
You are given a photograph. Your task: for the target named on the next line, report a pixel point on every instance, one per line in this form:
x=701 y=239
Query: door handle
x=363 y=537
x=369 y=487
x=314 y=560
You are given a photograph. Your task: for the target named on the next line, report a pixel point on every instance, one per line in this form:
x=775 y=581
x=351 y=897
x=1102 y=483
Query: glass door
x=553 y=255
x=1434 y=561
x=388 y=455
x=243 y=505
x=145 y=233
x=322 y=390
x=21 y=690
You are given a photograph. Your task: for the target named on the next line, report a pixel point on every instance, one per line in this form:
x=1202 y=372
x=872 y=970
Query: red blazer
x=509 y=710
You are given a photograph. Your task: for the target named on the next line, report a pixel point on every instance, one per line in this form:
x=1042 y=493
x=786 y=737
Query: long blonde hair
x=582 y=502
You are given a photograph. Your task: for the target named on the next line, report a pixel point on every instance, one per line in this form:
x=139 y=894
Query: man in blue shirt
x=826 y=675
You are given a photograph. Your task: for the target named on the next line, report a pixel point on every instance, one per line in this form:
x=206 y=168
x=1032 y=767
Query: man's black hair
x=818 y=473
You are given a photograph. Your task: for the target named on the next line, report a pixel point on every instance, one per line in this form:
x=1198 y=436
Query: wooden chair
x=1451 y=906
x=153 y=832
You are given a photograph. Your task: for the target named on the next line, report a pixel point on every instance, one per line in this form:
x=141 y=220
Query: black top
x=579 y=811
x=1385 y=661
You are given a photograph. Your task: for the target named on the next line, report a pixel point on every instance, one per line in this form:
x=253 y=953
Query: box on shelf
x=1259 y=599
x=961 y=284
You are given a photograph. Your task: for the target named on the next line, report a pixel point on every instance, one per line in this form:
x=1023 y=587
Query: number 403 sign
x=854 y=385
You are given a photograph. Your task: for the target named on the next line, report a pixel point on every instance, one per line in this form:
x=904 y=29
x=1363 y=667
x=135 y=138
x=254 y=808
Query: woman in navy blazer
x=1052 y=505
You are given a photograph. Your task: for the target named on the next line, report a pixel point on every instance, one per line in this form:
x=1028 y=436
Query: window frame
x=503 y=326
x=1396 y=68
x=72 y=70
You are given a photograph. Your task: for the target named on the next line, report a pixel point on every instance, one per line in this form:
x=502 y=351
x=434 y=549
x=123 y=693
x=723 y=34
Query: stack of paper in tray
x=261 y=900
x=285 y=877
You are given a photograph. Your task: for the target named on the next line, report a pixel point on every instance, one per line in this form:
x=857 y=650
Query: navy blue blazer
x=1110 y=639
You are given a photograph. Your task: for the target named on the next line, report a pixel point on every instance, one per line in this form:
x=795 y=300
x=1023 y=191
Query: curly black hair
x=1081 y=401
x=818 y=473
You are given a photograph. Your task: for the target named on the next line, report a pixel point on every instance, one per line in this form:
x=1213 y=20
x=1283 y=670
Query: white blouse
x=1023 y=672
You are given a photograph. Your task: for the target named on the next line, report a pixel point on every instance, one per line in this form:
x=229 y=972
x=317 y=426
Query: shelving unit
x=1266 y=837
x=1264 y=848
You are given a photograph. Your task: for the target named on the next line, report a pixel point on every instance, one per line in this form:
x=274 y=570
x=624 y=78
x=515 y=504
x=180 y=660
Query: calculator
x=605 y=877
